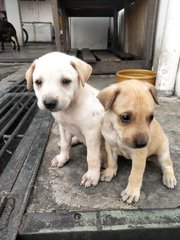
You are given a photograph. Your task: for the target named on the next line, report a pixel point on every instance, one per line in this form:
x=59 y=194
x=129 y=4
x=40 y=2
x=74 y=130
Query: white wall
x=37 y=19
x=36 y=11
x=14 y=17
x=161 y=17
x=85 y=32
x=89 y=32
x=167 y=48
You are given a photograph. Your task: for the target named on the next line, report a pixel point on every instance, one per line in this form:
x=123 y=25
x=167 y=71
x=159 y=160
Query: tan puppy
x=59 y=83
x=131 y=130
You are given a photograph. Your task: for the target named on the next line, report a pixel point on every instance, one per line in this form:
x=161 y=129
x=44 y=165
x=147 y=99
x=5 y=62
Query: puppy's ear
x=153 y=92
x=83 y=69
x=28 y=75
x=107 y=96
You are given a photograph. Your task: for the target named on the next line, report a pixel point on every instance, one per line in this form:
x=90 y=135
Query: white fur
x=78 y=112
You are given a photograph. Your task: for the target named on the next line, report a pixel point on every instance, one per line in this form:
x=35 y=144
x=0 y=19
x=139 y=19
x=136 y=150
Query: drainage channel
x=17 y=110
x=24 y=131
x=16 y=113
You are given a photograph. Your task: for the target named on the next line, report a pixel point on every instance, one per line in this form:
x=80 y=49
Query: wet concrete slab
x=59 y=189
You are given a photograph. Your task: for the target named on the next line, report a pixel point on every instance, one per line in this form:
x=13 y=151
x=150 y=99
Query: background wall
x=89 y=32
x=85 y=32
x=14 y=16
x=167 y=48
x=36 y=11
x=162 y=9
x=135 y=27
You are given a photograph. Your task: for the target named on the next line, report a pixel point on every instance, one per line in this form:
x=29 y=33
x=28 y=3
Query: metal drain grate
x=24 y=131
x=20 y=87
x=17 y=109
x=16 y=113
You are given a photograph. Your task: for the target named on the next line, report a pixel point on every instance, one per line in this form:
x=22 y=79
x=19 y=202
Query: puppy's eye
x=126 y=118
x=150 y=118
x=38 y=82
x=66 y=81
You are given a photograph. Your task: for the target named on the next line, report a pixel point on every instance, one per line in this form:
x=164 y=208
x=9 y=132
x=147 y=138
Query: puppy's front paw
x=58 y=161
x=90 y=178
x=107 y=174
x=130 y=195
x=169 y=179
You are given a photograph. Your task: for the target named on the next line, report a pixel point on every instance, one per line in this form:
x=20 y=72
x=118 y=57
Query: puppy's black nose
x=140 y=143
x=50 y=103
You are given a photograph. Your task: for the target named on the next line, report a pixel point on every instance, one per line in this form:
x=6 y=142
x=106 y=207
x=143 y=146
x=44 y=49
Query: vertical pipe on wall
x=170 y=51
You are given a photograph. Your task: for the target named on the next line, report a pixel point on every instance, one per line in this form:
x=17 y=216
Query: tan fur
x=84 y=70
x=29 y=75
x=135 y=139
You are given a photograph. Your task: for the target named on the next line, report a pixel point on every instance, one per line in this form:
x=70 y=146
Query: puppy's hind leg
x=74 y=141
x=65 y=143
x=111 y=165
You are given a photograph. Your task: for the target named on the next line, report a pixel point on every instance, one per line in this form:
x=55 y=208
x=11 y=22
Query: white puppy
x=59 y=83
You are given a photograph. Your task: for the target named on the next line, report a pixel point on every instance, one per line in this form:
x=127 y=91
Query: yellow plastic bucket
x=139 y=74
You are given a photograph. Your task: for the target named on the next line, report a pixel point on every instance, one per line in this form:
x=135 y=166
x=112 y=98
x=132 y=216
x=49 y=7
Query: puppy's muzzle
x=140 y=141
x=50 y=103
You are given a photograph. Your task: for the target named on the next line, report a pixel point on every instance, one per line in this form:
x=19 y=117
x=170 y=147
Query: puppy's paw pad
x=169 y=180
x=130 y=195
x=107 y=174
x=90 y=179
x=58 y=162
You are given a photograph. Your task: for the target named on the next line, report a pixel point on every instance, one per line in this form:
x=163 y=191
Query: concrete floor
x=58 y=189
x=27 y=52
x=17 y=62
